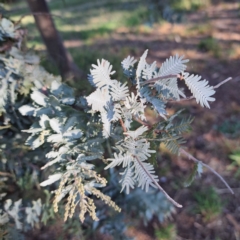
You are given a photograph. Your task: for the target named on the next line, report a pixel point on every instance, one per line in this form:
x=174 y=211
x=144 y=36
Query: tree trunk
x=52 y=40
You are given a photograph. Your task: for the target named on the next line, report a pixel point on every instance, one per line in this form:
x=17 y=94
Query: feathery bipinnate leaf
x=107 y=96
x=200 y=89
x=106 y=131
x=173 y=65
x=149 y=71
x=113 y=111
x=173 y=143
x=134 y=106
x=101 y=73
x=144 y=175
x=119 y=91
x=183 y=126
x=171 y=131
x=157 y=103
x=128 y=62
x=137 y=133
x=98 y=99
x=128 y=180
x=141 y=66
x=127 y=117
x=121 y=158
x=171 y=87
x=136 y=151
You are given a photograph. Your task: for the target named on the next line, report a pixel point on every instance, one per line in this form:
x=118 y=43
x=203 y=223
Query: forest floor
x=210 y=38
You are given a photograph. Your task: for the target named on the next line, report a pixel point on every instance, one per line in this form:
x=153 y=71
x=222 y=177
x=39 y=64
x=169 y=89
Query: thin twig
x=162 y=139
x=182 y=99
x=153 y=180
x=225 y=190
x=233 y=221
x=159 y=187
x=123 y=126
x=142 y=122
x=4 y=127
x=153 y=80
x=6 y=174
x=223 y=82
x=205 y=165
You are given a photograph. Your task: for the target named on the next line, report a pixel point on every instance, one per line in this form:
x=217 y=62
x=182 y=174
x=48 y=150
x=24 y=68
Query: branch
x=51 y=38
x=6 y=174
x=158 y=186
x=162 y=139
x=153 y=80
x=142 y=122
x=4 y=127
x=190 y=157
x=223 y=82
x=123 y=126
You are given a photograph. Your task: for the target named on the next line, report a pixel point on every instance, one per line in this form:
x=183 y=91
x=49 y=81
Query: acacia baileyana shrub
x=69 y=135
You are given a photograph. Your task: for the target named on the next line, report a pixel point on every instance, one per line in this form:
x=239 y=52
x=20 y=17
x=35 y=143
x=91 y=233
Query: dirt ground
x=221 y=24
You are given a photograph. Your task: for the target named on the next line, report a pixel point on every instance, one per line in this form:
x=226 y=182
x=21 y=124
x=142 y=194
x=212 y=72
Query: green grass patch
x=166 y=233
x=236 y=157
x=77 y=20
x=211 y=45
x=230 y=127
x=202 y=29
x=138 y=17
x=235 y=165
x=189 y=5
x=208 y=204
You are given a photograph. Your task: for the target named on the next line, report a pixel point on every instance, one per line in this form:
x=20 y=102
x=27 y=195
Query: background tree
x=52 y=40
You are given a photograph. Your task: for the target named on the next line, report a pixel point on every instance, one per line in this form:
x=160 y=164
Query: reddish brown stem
x=158 y=186
x=205 y=165
x=153 y=80
x=123 y=126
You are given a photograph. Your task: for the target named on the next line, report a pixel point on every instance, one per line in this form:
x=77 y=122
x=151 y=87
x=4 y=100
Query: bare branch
x=123 y=126
x=4 y=127
x=223 y=82
x=205 y=165
x=6 y=174
x=158 y=186
x=142 y=122
x=154 y=181
x=181 y=100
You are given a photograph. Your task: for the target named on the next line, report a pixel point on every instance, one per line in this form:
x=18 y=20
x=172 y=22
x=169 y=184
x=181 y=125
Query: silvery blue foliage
x=75 y=132
x=7 y=29
x=133 y=209
x=134 y=150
